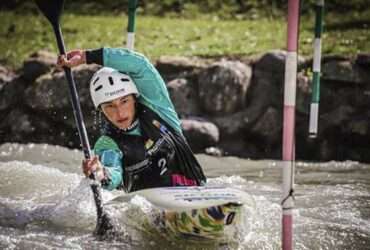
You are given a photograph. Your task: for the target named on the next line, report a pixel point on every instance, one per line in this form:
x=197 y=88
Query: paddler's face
x=120 y=111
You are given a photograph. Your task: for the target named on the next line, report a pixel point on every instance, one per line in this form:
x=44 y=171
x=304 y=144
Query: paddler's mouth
x=124 y=120
x=123 y=123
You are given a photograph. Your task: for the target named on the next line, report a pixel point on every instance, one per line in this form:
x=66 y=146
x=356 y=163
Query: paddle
x=52 y=11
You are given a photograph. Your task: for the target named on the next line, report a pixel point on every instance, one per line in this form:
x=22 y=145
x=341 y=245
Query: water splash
x=44 y=199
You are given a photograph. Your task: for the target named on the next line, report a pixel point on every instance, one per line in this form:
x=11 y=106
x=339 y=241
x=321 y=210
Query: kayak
x=200 y=212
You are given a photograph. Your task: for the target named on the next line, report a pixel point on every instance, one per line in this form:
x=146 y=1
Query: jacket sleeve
x=151 y=86
x=111 y=158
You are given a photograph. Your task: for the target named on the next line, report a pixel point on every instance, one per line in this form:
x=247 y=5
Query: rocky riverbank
x=228 y=106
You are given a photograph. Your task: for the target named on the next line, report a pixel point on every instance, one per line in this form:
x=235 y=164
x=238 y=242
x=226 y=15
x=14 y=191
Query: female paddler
x=142 y=144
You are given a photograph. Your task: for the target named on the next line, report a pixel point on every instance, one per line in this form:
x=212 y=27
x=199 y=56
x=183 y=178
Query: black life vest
x=159 y=157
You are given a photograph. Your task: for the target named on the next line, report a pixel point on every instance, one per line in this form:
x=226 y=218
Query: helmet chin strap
x=132 y=126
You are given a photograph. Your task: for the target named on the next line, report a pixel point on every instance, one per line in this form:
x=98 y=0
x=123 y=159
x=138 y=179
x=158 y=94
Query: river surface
x=46 y=203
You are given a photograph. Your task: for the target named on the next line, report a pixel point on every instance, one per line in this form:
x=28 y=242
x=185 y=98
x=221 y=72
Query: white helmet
x=108 y=84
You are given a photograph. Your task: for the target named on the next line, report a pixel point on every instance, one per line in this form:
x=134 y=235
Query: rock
x=304 y=93
x=238 y=123
x=261 y=95
x=83 y=76
x=22 y=126
x=38 y=64
x=345 y=71
x=230 y=125
x=11 y=93
x=5 y=76
x=50 y=94
x=18 y=123
x=10 y=88
x=347 y=138
x=172 y=67
x=268 y=127
x=244 y=115
x=273 y=61
x=356 y=137
x=273 y=64
x=363 y=59
x=267 y=88
x=184 y=97
x=335 y=117
x=239 y=146
x=326 y=151
x=329 y=99
x=357 y=98
x=223 y=87
x=214 y=151
x=358 y=126
x=200 y=134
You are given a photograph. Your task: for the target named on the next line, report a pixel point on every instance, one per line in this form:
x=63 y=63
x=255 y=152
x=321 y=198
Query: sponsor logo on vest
x=148 y=143
x=156 y=146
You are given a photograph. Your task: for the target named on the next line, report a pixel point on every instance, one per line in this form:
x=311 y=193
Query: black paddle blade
x=106 y=228
x=52 y=9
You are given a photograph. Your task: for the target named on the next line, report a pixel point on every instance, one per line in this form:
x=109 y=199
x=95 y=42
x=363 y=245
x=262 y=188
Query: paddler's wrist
x=103 y=176
x=94 y=56
x=99 y=175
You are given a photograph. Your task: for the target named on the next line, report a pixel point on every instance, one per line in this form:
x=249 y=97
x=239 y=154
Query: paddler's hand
x=93 y=165
x=72 y=59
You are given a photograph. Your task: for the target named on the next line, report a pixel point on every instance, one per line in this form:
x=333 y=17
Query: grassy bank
x=20 y=35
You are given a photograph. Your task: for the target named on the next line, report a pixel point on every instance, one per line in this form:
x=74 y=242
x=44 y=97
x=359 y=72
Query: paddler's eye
x=107 y=106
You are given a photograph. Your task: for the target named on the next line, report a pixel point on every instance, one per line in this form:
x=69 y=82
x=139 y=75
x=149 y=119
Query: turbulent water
x=45 y=203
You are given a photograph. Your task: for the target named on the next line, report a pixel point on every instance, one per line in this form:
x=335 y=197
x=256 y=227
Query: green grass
x=21 y=35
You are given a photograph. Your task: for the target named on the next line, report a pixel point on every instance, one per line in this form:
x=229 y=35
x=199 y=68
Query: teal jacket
x=153 y=94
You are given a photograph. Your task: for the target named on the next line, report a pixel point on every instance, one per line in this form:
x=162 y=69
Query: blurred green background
x=206 y=28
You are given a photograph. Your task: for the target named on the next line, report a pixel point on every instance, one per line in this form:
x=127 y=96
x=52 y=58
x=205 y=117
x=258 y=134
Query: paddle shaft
x=74 y=97
x=78 y=118
x=52 y=10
